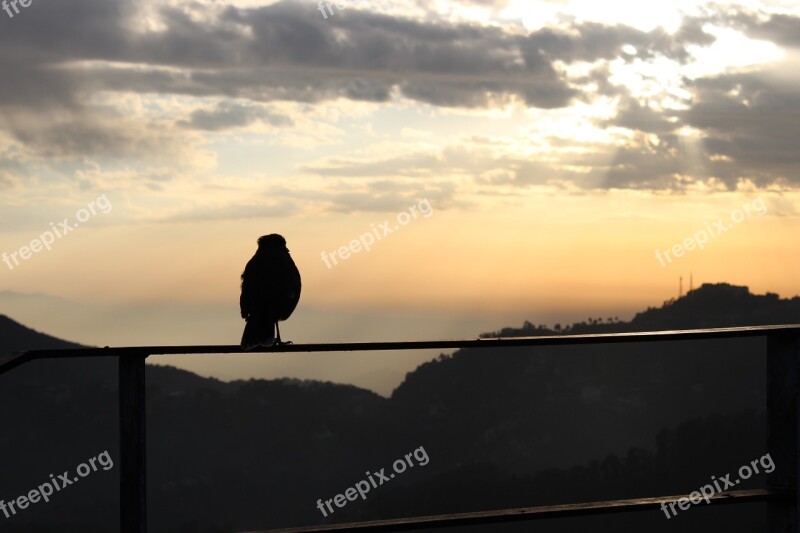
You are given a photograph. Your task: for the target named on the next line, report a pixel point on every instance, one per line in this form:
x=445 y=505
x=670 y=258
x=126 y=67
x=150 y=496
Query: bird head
x=272 y=241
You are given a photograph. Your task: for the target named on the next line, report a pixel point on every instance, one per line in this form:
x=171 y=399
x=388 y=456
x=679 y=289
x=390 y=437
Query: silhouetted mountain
x=502 y=428
x=719 y=305
x=646 y=386
x=712 y=305
x=15 y=337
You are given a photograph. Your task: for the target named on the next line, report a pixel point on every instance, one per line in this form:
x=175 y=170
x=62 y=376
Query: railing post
x=783 y=352
x=132 y=444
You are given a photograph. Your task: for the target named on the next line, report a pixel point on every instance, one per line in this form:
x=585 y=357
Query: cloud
x=287 y=51
x=752 y=126
x=234 y=212
x=782 y=29
x=411 y=164
x=7 y=180
x=229 y=115
x=496 y=4
x=476 y=160
x=92 y=133
x=392 y=196
x=56 y=62
x=635 y=116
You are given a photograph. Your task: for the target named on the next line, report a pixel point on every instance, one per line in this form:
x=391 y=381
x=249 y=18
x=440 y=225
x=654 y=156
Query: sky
x=439 y=168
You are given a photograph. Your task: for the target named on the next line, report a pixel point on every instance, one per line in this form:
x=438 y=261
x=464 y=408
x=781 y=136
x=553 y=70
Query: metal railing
x=783 y=352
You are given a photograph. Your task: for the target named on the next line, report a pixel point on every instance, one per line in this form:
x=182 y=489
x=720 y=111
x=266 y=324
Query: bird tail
x=258 y=332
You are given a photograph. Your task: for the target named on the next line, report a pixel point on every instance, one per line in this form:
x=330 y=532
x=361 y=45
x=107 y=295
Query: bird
x=270 y=292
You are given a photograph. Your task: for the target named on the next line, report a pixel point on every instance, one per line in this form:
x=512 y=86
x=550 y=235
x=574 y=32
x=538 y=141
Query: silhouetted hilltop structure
x=712 y=305
x=719 y=305
x=502 y=428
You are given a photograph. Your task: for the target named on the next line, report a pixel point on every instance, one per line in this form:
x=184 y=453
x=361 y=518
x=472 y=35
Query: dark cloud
x=56 y=56
x=647 y=165
x=634 y=116
x=105 y=134
x=751 y=124
x=781 y=29
x=747 y=123
x=744 y=126
x=288 y=51
x=228 y=115
x=592 y=41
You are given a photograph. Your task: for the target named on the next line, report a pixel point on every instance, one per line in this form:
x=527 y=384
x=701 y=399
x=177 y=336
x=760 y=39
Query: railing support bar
x=783 y=353
x=132 y=490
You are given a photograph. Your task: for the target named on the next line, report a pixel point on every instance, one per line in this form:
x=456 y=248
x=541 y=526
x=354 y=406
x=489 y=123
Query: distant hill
x=720 y=305
x=502 y=427
x=712 y=305
x=646 y=386
x=15 y=337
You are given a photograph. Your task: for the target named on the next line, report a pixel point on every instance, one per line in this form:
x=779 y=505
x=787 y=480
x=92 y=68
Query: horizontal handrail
x=534 y=513
x=10 y=361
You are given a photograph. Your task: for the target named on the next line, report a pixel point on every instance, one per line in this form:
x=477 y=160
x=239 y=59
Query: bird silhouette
x=270 y=292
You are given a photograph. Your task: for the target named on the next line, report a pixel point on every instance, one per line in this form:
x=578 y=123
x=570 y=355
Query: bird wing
x=270 y=287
